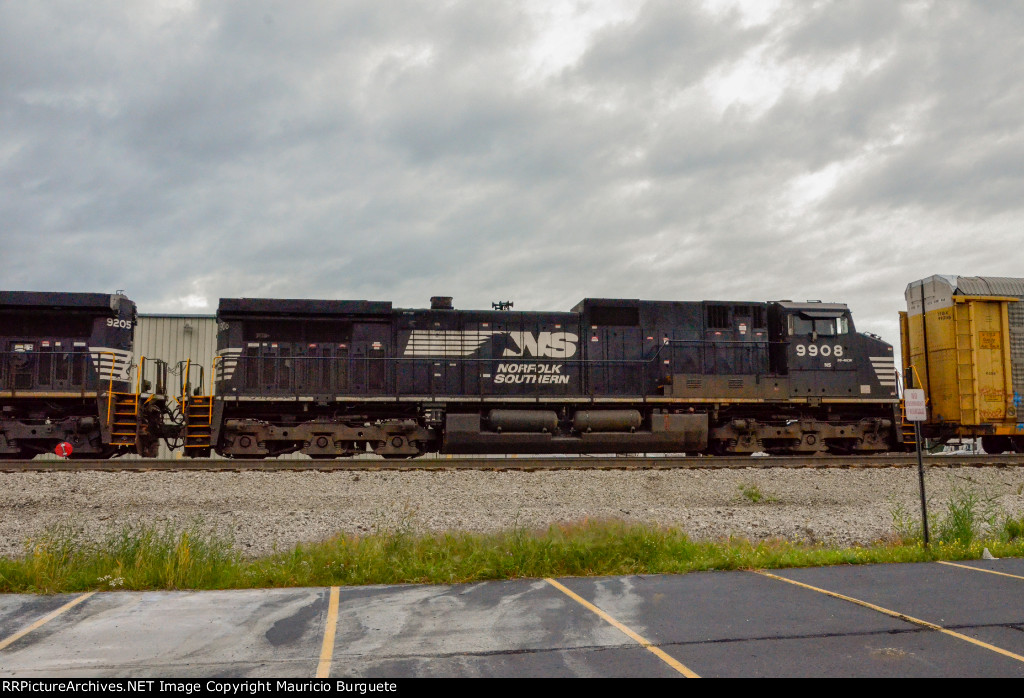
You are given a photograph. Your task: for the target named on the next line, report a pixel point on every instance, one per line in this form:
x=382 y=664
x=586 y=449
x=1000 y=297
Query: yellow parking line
x=900 y=616
x=323 y=669
x=671 y=661
x=44 y=620
x=979 y=569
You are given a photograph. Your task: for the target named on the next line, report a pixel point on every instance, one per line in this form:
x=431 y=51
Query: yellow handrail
x=917 y=379
x=184 y=382
x=138 y=379
x=213 y=375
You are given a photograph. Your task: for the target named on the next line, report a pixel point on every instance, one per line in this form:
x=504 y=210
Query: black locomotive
x=336 y=378
x=68 y=374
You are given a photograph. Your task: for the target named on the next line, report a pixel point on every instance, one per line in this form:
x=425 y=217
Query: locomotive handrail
x=287 y=369
x=213 y=374
x=285 y=374
x=8 y=371
x=749 y=347
x=158 y=386
x=138 y=378
x=917 y=378
x=184 y=382
x=110 y=387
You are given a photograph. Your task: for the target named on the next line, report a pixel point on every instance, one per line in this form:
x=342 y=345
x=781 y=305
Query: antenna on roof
x=502 y=305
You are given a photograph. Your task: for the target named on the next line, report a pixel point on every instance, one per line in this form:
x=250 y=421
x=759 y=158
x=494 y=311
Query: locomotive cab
x=809 y=337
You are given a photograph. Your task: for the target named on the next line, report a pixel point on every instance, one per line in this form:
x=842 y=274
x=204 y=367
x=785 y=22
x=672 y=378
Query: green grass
x=161 y=558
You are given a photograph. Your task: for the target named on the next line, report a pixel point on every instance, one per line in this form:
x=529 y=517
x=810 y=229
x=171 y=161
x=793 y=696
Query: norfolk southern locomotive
x=68 y=374
x=336 y=378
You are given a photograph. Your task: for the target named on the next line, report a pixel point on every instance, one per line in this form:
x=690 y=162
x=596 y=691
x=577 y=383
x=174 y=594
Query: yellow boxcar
x=962 y=341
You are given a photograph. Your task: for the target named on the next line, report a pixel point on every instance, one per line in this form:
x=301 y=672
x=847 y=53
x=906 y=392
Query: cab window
x=825 y=327
x=800 y=325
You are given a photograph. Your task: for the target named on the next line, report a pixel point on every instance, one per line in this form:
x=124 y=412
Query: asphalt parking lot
x=934 y=619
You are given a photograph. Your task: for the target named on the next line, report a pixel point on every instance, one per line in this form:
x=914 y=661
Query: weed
x=907 y=526
x=751 y=492
x=968 y=516
x=754 y=495
x=1012 y=528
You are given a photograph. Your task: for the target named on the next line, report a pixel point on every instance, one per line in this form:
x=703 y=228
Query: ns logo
x=556 y=345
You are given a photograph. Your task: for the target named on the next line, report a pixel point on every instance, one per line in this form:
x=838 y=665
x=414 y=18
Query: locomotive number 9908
x=819 y=350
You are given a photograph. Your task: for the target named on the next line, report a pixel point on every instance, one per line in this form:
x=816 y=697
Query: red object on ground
x=63 y=449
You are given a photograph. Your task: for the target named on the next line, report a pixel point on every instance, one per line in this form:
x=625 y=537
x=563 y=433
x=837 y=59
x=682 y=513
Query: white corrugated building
x=176 y=339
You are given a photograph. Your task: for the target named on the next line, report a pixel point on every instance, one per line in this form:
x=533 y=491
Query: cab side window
x=799 y=325
x=824 y=327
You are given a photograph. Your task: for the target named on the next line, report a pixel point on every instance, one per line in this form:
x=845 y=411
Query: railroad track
x=522 y=464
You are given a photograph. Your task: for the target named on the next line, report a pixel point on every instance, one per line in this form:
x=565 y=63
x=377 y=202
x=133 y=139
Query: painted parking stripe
x=979 y=569
x=896 y=614
x=323 y=669
x=658 y=652
x=44 y=620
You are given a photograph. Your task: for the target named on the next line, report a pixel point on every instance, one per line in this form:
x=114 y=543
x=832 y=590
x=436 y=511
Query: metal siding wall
x=168 y=338
x=1016 y=320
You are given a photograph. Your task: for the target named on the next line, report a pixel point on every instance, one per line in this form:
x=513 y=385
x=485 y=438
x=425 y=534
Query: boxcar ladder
x=966 y=363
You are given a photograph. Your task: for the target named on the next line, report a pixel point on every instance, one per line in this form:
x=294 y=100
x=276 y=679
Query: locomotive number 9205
x=120 y=324
x=819 y=350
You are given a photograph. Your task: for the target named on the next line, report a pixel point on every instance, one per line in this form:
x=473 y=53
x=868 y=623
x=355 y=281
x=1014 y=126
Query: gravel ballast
x=264 y=511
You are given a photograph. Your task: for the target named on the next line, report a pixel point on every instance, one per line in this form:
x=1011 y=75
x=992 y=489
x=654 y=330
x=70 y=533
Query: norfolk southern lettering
x=523 y=373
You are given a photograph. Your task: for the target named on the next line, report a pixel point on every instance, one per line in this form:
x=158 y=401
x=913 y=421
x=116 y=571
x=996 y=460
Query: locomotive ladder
x=198 y=418
x=198 y=422
x=123 y=409
x=124 y=425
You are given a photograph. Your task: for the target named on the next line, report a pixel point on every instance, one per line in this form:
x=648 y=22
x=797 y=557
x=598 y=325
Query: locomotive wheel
x=722 y=447
x=840 y=449
x=994 y=445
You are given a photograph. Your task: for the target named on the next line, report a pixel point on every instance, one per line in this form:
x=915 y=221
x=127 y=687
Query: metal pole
x=920 y=479
x=909 y=383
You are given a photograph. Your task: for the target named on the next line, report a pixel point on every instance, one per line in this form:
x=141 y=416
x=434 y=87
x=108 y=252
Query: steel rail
x=896 y=460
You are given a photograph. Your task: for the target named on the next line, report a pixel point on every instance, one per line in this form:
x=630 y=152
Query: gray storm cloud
x=534 y=152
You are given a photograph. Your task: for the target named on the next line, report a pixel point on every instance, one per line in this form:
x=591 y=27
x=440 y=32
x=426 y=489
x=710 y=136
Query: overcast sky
x=539 y=152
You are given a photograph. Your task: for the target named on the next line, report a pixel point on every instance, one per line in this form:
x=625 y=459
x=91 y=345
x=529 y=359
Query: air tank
x=523 y=420
x=606 y=420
